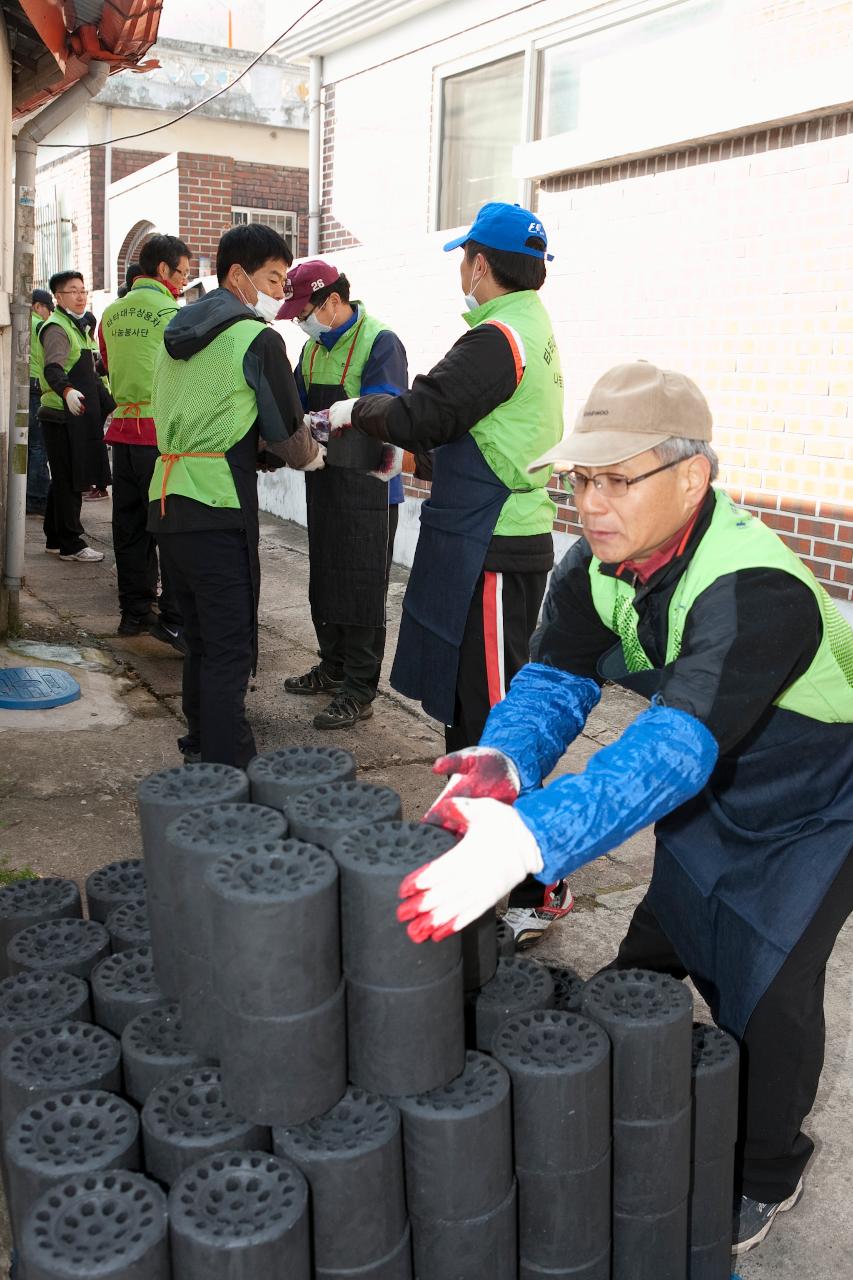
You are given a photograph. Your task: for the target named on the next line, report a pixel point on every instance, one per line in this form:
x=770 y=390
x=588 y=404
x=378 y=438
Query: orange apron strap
x=169 y=460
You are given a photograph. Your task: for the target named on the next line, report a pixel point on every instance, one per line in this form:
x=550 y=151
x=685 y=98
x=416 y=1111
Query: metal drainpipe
x=108 y=178
x=315 y=152
x=26 y=148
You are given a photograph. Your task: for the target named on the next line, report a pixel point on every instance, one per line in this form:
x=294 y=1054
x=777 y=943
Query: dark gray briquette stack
x=276 y=972
x=121 y=881
x=54 y=1059
x=30 y=1000
x=186 y=1119
x=716 y=1066
x=325 y=814
x=649 y=1019
x=59 y=946
x=30 y=901
x=241 y=1215
x=193 y=843
x=519 y=986
x=568 y=988
x=124 y=985
x=163 y=797
x=154 y=1048
x=559 y=1064
x=276 y=775
x=83 y=1131
x=352 y=1159
x=457 y=1142
x=405 y=1022
x=480 y=950
x=127 y=925
x=109 y=1225
x=506 y=939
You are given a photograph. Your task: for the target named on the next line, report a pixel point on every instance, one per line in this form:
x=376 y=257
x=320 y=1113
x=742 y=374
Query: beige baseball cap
x=632 y=408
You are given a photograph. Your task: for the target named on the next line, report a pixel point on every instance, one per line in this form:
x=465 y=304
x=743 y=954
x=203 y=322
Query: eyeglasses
x=606 y=482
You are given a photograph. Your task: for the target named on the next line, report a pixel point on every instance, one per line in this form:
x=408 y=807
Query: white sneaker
x=528 y=924
x=52 y=551
x=87 y=555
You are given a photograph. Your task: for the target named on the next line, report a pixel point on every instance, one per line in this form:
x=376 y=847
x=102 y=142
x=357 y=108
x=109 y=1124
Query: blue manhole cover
x=36 y=688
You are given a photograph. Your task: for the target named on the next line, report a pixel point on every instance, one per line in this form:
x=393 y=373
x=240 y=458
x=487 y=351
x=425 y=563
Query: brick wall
x=204 y=186
x=125 y=162
x=75 y=175
x=333 y=236
x=264 y=186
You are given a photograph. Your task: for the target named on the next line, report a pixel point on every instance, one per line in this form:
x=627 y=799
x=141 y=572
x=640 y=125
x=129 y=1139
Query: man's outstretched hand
x=496 y=852
x=474 y=773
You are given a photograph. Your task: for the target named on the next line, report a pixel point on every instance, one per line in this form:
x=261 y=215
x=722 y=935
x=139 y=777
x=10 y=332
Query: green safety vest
x=343 y=365
x=133 y=328
x=736 y=540
x=202 y=405
x=78 y=343
x=531 y=421
x=36 y=349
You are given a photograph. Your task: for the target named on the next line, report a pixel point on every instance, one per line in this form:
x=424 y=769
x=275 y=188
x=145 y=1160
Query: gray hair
x=677 y=449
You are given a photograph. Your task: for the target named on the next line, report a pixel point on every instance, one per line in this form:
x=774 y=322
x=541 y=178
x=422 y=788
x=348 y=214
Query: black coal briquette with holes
x=480 y=950
x=275 y=775
x=29 y=1000
x=66 y=1133
x=716 y=1067
x=59 y=946
x=186 y=1118
x=481 y=1248
x=458 y=1143
x=274 y=910
x=374 y=860
x=324 y=814
x=649 y=1019
x=518 y=986
x=352 y=1157
x=120 y=881
x=124 y=985
x=568 y=988
x=240 y=1215
x=127 y=925
x=506 y=940
x=27 y=902
x=153 y=1048
x=62 y=1055
x=109 y=1225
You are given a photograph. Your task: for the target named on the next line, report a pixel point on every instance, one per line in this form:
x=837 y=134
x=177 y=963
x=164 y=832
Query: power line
x=127 y=137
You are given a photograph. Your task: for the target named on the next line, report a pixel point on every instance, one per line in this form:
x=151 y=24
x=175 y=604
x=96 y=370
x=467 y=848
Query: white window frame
x=261 y=215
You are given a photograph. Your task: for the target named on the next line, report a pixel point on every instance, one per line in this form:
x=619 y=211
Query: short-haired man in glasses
x=743 y=760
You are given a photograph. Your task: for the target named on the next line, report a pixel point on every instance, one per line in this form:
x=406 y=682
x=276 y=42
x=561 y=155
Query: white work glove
x=495 y=854
x=390 y=465
x=340 y=415
x=75 y=402
x=318 y=462
x=475 y=772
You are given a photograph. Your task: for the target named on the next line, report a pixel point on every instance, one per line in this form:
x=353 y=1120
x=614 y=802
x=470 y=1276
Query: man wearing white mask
x=223 y=388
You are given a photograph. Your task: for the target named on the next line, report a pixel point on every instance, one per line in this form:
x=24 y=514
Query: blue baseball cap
x=505 y=226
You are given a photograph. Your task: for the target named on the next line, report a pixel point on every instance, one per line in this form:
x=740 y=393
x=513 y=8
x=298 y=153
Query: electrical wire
x=108 y=142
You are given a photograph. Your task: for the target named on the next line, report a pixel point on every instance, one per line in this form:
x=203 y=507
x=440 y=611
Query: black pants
x=62 y=527
x=354 y=654
x=38 y=476
x=782 y=1048
x=495 y=646
x=135 y=548
x=211 y=578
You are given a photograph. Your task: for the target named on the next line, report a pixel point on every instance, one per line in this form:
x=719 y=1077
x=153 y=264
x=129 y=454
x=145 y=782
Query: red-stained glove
x=495 y=854
x=475 y=773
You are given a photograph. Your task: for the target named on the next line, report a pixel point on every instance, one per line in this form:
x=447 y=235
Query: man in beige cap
x=744 y=760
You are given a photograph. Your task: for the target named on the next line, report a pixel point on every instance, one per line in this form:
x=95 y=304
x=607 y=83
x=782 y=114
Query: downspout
x=108 y=178
x=315 y=149
x=26 y=149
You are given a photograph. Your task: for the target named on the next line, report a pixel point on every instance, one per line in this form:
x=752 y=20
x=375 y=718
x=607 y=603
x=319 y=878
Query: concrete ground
x=67 y=803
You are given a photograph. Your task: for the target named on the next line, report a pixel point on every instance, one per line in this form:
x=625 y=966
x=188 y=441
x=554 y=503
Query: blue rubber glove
x=661 y=760
x=543 y=712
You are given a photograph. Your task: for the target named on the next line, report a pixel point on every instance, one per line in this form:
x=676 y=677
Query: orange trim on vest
x=169 y=460
x=516 y=354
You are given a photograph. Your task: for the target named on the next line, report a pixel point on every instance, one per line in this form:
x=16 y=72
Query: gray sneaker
x=753 y=1219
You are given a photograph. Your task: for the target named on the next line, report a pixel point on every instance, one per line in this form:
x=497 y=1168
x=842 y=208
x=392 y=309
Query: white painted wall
x=153 y=190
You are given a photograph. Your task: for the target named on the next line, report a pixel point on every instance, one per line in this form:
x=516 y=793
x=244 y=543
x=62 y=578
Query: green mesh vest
x=202 y=405
x=133 y=329
x=736 y=540
x=78 y=343
x=350 y=353
x=36 y=349
x=531 y=421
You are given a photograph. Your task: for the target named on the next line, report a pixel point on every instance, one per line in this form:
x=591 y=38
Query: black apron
x=90 y=463
x=457 y=523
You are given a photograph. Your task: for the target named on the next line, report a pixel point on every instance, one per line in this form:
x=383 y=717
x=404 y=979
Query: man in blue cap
x=487 y=410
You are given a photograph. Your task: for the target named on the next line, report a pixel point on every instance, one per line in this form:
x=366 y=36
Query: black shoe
x=134 y=624
x=189 y=749
x=753 y=1219
x=314 y=681
x=168 y=635
x=343 y=712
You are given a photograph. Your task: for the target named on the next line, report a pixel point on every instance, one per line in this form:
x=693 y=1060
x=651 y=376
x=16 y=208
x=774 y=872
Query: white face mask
x=78 y=315
x=265 y=306
x=314 y=327
x=471 y=298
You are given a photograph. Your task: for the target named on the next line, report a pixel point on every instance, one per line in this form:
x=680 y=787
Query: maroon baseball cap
x=302 y=281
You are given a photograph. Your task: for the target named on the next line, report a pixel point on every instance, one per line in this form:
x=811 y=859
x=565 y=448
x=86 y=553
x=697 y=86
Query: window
x=481 y=122
x=285 y=223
